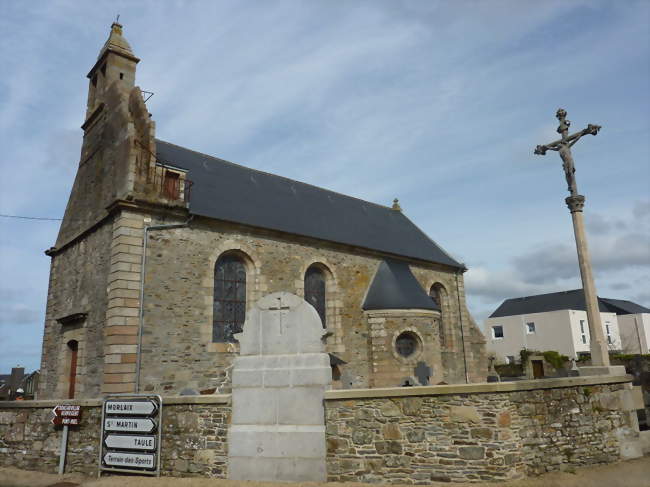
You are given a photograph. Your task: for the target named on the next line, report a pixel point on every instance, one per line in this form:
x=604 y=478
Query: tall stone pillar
x=597 y=343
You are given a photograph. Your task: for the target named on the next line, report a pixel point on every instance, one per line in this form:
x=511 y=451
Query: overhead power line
x=22 y=217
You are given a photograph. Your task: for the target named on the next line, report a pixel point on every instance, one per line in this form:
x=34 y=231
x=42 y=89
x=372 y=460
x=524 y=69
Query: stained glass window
x=406 y=344
x=315 y=289
x=229 y=310
x=436 y=296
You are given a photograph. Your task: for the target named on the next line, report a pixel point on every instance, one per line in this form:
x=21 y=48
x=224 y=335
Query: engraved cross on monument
x=279 y=308
x=575 y=202
x=277 y=430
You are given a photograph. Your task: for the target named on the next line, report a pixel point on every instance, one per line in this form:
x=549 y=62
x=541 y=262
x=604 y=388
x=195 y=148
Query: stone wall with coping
x=194 y=437
x=411 y=435
x=476 y=432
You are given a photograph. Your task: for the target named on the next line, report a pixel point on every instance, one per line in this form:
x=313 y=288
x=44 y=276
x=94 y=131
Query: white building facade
x=558 y=321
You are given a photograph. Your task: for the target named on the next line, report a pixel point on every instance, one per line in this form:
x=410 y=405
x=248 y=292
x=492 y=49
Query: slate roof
x=574 y=299
x=395 y=287
x=235 y=193
x=622 y=307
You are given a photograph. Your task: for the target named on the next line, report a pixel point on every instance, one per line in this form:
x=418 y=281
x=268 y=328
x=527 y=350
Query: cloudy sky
x=439 y=104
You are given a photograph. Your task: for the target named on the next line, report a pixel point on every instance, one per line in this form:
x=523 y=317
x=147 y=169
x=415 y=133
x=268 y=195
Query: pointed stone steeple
x=115 y=66
x=117 y=43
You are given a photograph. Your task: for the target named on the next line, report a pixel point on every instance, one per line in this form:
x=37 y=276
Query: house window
x=584 y=339
x=609 y=335
x=582 y=331
x=510 y=359
x=497 y=331
x=171 y=186
x=530 y=328
x=73 y=349
x=229 y=305
x=315 y=290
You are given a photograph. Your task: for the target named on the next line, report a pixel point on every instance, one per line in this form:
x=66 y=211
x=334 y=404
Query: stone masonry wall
x=473 y=437
x=178 y=302
x=389 y=368
x=476 y=432
x=78 y=281
x=194 y=439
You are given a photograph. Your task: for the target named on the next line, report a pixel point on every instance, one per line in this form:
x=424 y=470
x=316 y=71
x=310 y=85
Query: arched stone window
x=229 y=304
x=439 y=294
x=73 y=349
x=315 y=291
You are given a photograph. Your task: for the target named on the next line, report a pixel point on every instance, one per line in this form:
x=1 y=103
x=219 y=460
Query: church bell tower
x=115 y=64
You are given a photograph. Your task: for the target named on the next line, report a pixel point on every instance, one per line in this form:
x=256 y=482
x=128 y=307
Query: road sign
x=131 y=434
x=66 y=415
x=134 y=408
x=129 y=460
x=133 y=425
x=131 y=442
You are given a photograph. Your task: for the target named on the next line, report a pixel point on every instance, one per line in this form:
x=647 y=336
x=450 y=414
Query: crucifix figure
x=575 y=202
x=563 y=146
x=280 y=309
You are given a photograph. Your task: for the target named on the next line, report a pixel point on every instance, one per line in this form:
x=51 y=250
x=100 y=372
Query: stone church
x=162 y=250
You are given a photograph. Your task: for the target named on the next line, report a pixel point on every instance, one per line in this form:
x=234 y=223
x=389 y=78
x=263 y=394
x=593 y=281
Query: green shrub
x=509 y=370
x=524 y=353
x=555 y=359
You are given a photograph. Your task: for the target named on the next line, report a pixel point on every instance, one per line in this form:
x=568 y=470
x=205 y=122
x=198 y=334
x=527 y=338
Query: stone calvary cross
x=575 y=202
x=563 y=146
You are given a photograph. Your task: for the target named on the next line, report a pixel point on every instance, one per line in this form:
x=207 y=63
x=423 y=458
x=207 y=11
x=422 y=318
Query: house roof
x=622 y=307
x=395 y=287
x=574 y=299
x=230 y=192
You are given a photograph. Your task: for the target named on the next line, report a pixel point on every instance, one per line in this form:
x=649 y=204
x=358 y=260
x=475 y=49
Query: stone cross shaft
x=575 y=202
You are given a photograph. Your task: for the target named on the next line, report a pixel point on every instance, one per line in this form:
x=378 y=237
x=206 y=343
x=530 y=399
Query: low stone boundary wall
x=469 y=432
x=476 y=432
x=194 y=439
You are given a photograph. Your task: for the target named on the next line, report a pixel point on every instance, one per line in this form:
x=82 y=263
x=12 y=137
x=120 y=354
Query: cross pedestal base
x=602 y=370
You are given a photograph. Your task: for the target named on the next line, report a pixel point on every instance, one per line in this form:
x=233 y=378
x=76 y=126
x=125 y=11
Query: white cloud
x=432 y=102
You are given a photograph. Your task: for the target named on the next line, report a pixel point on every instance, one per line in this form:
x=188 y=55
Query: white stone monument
x=277 y=432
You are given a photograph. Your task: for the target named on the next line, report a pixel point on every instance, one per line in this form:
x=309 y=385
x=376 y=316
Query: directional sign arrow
x=120 y=459
x=135 y=408
x=66 y=414
x=135 y=425
x=131 y=442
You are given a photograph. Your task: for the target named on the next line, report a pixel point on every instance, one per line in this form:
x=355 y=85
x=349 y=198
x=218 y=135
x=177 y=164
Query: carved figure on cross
x=563 y=146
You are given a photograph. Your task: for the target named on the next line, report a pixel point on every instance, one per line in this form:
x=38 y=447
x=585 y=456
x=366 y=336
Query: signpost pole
x=64 y=447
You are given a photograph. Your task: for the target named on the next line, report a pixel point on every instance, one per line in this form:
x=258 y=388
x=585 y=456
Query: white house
x=633 y=324
x=558 y=321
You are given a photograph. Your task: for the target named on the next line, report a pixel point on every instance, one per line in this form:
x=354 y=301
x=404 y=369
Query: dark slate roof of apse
x=235 y=193
x=574 y=299
x=395 y=287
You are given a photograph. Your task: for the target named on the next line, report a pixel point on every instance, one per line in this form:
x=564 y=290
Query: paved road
x=634 y=473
